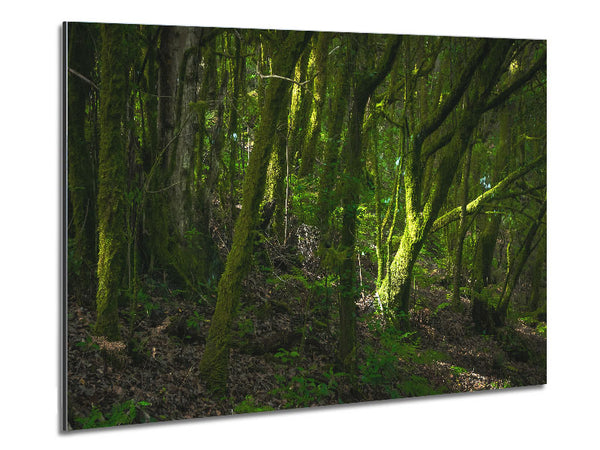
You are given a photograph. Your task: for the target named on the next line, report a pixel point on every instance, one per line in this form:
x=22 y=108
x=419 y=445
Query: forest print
x=260 y=220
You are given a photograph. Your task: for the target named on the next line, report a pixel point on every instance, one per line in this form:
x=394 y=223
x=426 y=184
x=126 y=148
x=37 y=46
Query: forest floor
x=283 y=356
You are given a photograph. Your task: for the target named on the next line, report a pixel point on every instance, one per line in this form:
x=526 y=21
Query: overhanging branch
x=517 y=84
x=491 y=194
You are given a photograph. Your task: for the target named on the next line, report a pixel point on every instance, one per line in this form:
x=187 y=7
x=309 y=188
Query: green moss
x=112 y=171
x=301 y=103
x=319 y=61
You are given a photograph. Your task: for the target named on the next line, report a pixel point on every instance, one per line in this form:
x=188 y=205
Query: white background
x=563 y=413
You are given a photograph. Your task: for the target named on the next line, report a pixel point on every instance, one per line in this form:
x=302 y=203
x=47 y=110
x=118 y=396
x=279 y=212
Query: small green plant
x=245 y=328
x=303 y=390
x=496 y=385
x=249 y=405
x=195 y=322
x=457 y=370
x=88 y=345
x=440 y=307
x=381 y=366
x=541 y=329
x=121 y=414
x=429 y=356
x=416 y=386
x=143 y=301
x=285 y=356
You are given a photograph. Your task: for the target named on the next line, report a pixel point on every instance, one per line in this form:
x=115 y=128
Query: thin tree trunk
x=462 y=231
x=517 y=266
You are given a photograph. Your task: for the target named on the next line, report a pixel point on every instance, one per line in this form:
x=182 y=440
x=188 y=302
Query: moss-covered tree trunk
x=150 y=151
x=486 y=244
x=81 y=170
x=484 y=254
x=278 y=174
x=215 y=359
x=379 y=249
x=301 y=103
x=336 y=118
x=186 y=126
x=353 y=156
x=476 y=81
x=481 y=311
x=112 y=173
x=319 y=89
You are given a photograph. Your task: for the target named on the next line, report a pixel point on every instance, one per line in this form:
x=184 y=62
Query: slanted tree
x=516 y=267
x=215 y=359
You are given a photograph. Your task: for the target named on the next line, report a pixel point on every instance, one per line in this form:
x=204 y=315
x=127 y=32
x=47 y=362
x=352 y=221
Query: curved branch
x=452 y=100
x=476 y=205
x=517 y=84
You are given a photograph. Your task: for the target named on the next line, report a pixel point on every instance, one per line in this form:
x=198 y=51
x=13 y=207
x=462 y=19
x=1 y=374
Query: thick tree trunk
x=350 y=201
x=484 y=255
x=159 y=196
x=112 y=172
x=192 y=248
x=394 y=291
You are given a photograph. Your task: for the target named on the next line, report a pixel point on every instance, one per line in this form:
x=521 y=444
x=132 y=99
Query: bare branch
x=299 y=83
x=87 y=80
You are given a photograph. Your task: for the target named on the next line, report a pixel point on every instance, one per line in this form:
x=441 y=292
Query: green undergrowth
x=250 y=405
x=303 y=387
x=390 y=363
x=125 y=413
